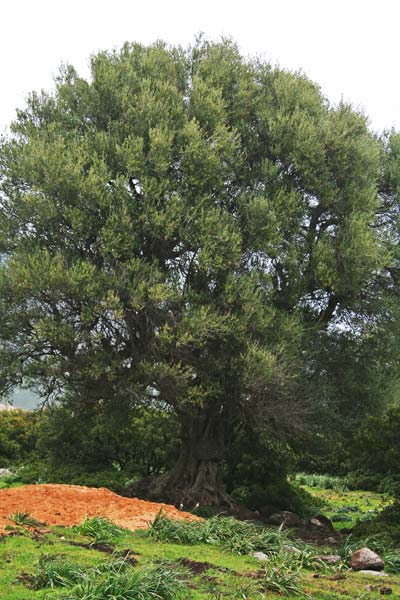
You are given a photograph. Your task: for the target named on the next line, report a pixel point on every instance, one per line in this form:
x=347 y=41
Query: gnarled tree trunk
x=195 y=478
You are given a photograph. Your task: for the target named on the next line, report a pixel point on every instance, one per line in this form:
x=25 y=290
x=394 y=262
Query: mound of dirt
x=57 y=504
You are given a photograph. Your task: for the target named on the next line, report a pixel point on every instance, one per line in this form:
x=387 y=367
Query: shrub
x=42 y=471
x=17 y=436
x=376 y=482
x=385 y=527
x=255 y=471
x=130 y=440
x=377 y=448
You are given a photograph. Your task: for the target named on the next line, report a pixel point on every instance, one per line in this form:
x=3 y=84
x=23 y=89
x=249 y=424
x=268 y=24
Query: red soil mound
x=71 y=504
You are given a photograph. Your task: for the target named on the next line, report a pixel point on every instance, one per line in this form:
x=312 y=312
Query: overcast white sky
x=351 y=48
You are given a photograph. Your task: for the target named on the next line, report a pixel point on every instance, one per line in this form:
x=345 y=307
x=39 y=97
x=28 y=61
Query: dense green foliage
x=87 y=447
x=139 y=441
x=196 y=232
x=377 y=443
x=17 y=436
x=255 y=473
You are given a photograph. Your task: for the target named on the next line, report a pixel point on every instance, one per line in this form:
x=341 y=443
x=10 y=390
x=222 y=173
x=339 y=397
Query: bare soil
x=57 y=504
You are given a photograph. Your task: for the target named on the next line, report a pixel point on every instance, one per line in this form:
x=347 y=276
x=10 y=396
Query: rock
x=260 y=556
x=331 y=559
x=376 y=573
x=366 y=559
x=331 y=541
x=5 y=472
x=285 y=517
x=321 y=522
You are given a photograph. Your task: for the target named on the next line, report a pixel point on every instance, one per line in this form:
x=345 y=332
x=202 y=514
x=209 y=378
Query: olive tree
x=169 y=230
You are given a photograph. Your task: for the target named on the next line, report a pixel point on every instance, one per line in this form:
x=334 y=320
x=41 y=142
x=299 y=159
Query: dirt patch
x=196 y=567
x=28 y=580
x=57 y=504
x=128 y=556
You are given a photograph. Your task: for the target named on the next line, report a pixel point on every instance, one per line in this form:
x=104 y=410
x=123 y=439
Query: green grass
x=184 y=561
x=120 y=583
x=4 y=484
x=346 y=508
x=326 y=482
x=238 y=537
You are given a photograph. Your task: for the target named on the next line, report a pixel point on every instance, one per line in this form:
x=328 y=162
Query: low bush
x=382 y=483
x=18 y=432
x=41 y=471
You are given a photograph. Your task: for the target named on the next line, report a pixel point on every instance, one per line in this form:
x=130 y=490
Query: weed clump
x=280 y=580
x=24 y=519
x=148 y=583
x=100 y=531
x=325 y=482
x=238 y=537
x=111 y=579
x=54 y=571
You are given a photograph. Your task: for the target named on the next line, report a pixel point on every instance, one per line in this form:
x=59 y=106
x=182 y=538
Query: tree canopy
x=179 y=230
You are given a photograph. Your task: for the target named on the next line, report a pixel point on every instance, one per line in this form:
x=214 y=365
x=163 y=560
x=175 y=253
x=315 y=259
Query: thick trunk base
x=194 y=481
x=187 y=486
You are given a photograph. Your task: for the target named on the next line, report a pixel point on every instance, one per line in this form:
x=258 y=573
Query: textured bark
x=195 y=478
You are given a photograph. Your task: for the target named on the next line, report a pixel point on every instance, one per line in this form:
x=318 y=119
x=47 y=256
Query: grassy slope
x=227 y=578
x=345 y=508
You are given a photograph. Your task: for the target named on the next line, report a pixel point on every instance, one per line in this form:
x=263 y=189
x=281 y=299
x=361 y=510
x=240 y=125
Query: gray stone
x=331 y=559
x=331 y=541
x=260 y=556
x=285 y=517
x=5 y=472
x=321 y=522
x=374 y=573
x=366 y=559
